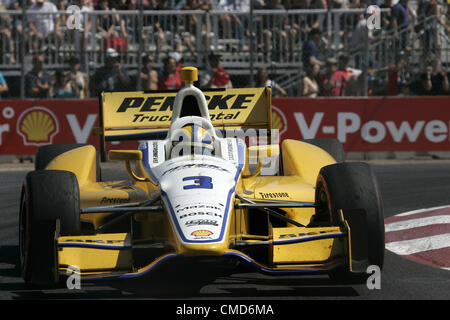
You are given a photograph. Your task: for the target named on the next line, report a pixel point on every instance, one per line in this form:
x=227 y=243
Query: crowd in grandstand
x=324 y=75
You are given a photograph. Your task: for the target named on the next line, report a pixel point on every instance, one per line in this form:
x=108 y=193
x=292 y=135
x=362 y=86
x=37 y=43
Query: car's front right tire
x=353 y=188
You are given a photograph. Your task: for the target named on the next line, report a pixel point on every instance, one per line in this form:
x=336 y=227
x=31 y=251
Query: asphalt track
x=405 y=186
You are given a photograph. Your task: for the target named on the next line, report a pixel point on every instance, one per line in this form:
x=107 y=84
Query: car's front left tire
x=50 y=203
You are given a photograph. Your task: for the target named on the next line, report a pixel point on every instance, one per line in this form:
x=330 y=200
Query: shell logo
x=37 y=126
x=201 y=233
x=279 y=120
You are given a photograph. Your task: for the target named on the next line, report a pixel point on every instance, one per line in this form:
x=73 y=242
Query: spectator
x=403 y=89
x=3 y=85
x=341 y=78
x=310 y=50
x=299 y=28
x=398 y=74
x=424 y=85
x=439 y=78
x=217 y=76
x=170 y=77
x=79 y=78
x=16 y=27
x=61 y=6
x=118 y=4
x=400 y=23
x=165 y=28
x=428 y=8
x=262 y=80
x=107 y=25
x=131 y=22
x=149 y=76
x=64 y=86
x=274 y=29
x=178 y=59
x=317 y=4
x=363 y=34
x=191 y=22
x=44 y=26
x=7 y=3
x=112 y=76
x=37 y=81
x=432 y=81
x=336 y=82
x=234 y=26
x=326 y=83
x=310 y=81
x=7 y=52
x=86 y=8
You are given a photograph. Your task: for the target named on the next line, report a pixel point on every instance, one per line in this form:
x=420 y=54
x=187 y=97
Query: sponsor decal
x=199 y=222
x=141 y=117
x=194 y=165
x=302 y=234
x=155 y=152
x=372 y=131
x=198 y=182
x=37 y=126
x=200 y=213
x=199 y=206
x=230 y=147
x=279 y=121
x=273 y=195
x=95 y=241
x=106 y=200
x=201 y=233
x=161 y=103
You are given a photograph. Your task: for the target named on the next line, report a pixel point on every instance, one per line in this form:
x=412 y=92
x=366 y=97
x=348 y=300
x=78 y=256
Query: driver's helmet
x=192 y=140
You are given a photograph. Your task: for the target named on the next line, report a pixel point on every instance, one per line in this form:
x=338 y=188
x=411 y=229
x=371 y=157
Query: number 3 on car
x=200 y=182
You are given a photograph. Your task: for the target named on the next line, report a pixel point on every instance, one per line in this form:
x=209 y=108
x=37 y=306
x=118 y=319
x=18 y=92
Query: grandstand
x=245 y=40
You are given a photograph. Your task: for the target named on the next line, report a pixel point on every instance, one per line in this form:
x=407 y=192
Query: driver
x=192 y=139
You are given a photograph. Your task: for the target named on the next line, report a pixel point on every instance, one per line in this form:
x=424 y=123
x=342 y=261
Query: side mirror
x=128 y=156
x=125 y=155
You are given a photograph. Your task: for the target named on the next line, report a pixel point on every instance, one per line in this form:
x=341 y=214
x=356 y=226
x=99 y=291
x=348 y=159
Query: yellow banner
x=126 y=113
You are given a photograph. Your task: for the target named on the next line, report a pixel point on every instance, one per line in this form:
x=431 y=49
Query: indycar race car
x=198 y=195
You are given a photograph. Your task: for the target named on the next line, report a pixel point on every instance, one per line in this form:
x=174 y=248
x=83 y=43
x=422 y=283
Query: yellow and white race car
x=197 y=195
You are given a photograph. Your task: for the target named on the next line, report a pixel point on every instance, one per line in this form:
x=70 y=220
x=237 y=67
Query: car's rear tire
x=47 y=153
x=331 y=145
x=50 y=202
x=352 y=188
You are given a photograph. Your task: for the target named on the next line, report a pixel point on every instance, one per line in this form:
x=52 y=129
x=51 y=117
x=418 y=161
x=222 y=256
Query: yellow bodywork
x=301 y=163
x=103 y=252
x=286 y=247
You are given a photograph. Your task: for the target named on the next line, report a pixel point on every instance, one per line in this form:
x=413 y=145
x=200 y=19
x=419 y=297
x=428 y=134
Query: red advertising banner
x=372 y=124
x=368 y=124
x=26 y=125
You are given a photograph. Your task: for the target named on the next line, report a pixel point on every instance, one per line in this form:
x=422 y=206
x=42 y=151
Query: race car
x=198 y=195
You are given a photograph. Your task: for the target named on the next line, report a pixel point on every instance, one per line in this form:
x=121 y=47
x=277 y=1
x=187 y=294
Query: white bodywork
x=197 y=190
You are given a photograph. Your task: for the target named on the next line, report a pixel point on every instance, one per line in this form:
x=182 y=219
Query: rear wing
x=142 y=115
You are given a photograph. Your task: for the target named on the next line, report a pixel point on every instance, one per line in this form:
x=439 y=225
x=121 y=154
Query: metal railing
x=246 y=40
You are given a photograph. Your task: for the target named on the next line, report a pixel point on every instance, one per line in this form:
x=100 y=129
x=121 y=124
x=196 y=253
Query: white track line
x=420 y=211
x=408 y=247
x=414 y=223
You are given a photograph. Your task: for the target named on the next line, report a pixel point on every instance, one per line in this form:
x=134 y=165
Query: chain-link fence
x=246 y=42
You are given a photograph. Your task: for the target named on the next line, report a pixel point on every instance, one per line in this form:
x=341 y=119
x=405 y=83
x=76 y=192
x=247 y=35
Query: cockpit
x=192 y=139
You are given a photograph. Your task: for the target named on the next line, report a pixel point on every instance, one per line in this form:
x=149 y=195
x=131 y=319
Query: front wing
x=286 y=250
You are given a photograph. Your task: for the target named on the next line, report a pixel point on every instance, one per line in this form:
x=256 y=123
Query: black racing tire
x=47 y=153
x=353 y=188
x=50 y=203
x=331 y=145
